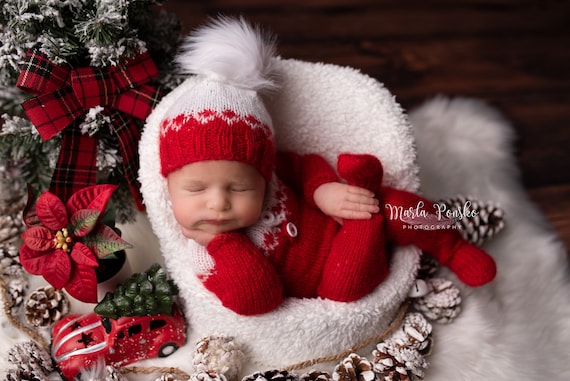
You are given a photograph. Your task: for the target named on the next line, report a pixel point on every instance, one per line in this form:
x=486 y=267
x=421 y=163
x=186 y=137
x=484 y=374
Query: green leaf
x=83 y=221
x=93 y=197
x=103 y=241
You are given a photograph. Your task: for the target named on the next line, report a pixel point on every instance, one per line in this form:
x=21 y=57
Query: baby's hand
x=343 y=201
x=203 y=238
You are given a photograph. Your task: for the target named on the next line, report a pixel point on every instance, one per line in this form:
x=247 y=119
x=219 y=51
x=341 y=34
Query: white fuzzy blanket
x=517 y=328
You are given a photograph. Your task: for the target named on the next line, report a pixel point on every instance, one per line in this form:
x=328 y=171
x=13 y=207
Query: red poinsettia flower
x=64 y=241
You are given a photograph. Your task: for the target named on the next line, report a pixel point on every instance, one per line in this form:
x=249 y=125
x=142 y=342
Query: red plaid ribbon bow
x=65 y=94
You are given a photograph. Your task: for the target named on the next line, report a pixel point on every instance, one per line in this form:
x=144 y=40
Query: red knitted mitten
x=243 y=279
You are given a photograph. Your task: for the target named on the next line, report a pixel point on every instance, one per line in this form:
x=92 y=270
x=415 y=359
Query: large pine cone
x=315 y=375
x=272 y=375
x=219 y=354
x=486 y=224
x=441 y=305
x=45 y=306
x=354 y=368
x=396 y=363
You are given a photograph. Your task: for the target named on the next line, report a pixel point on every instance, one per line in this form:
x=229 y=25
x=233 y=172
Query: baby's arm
x=343 y=201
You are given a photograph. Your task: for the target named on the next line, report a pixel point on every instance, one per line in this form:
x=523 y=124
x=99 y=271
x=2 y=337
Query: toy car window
x=106 y=324
x=155 y=324
x=135 y=329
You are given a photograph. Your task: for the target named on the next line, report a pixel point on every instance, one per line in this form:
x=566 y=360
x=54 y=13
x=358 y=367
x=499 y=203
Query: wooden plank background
x=513 y=54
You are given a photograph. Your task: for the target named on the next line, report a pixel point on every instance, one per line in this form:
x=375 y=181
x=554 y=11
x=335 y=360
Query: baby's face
x=216 y=196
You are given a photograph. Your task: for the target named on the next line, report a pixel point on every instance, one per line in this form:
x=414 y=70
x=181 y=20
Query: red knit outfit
x=314 y=256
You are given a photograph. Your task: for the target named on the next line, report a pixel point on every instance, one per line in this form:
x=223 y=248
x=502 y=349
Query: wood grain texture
x=513 y=54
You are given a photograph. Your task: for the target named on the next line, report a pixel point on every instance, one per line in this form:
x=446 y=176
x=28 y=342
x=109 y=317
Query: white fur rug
x=518 y=327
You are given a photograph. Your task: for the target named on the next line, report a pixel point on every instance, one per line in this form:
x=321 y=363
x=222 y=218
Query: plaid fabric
x=76 y=163
x=65 y=94
x=128 y=136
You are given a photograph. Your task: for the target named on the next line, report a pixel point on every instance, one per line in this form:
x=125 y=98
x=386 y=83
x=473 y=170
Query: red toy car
x=80 y=341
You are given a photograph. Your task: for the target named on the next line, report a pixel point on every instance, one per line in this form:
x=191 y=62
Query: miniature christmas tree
x=143 y=294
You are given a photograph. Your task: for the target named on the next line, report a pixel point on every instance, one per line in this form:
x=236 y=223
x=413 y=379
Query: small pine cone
x=20 y=374
x=17 y=289
x=11 y=226
x=414 y=333
x=315 y=375
x=271 y=375
x=9 y=260
x=167 y=377
x=354 y=368
x=428 y=266
x=478 y=221
x=218 y=354
x=208 y=376
x=441 y=305
x=113 y=374
x=396 y=363
x=32 y=362
x=45 y=306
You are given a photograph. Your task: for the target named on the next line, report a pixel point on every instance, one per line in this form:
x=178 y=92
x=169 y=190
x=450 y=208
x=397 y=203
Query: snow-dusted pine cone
x=113 y=374
x=31 y=361
x=414 y=333
x=485 y=221
x=17 y=289
x=11 y=226
x=9 y=260
x=354 y=368
x=442 y=304
x=219 y=354
x=428 y=266
x=395 y=363
x=315 y=375
x=272 y=375
x=208 y=376
x=167 y=377
x=45 y=306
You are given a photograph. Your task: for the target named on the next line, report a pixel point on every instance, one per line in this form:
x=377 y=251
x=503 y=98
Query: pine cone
x=428 y=266
x=208 y=376
x=167 y=377
x=219 y=354
x=354 y=368
x=441 y=305
x=271 y=375
x=112 y=374
x=486 y=223
x=32 y=362
x=315 y=375
x=395 y=363
x=415 y=333
x=9 y=260
x=45 y=306
x=17 y=289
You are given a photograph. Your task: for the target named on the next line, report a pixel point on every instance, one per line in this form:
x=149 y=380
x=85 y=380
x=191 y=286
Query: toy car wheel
x=167 y=349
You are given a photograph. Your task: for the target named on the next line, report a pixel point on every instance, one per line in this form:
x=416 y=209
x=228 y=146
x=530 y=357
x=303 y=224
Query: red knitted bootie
x=473 y=266
x=362 y=170
x=357 y=262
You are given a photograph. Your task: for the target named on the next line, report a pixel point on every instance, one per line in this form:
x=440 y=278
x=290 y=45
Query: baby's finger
x=360 y=191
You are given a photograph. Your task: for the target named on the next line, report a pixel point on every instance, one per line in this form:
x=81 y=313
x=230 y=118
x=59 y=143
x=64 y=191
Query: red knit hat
x=222 y=117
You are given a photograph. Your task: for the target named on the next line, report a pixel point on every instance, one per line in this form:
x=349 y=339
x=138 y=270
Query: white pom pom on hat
x=222 y=117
